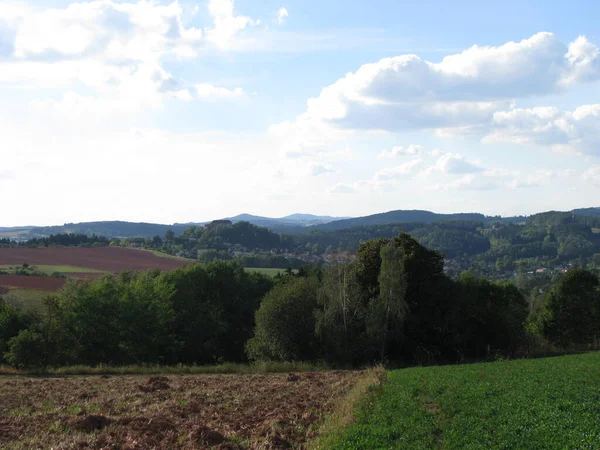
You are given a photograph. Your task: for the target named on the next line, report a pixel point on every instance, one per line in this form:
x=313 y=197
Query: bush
x=285 y=323
x=27 y=350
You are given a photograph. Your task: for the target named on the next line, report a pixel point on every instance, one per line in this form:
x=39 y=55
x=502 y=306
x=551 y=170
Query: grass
x=342 y=416
x=265 y=270
x=166 y=255
x=50 y=269
x=550 y=403
x=66 y=269
x=28 y=298
x=226 y=368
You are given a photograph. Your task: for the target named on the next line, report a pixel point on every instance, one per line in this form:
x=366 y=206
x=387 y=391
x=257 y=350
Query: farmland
x=549 y=403
x=190 y=411
x=73 y=262
x=111 y=259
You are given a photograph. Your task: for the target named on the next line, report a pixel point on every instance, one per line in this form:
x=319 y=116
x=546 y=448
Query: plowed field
x=113 y=259
x=268 y=411
x=39 y=283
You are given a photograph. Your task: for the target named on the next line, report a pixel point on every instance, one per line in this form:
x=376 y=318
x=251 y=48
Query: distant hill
x=109 y=229
x=293 y=223
x=401 y=216
x=593 y=212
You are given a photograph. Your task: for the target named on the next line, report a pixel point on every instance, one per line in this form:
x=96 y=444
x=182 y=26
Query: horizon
x=175 y=112
x=335 y=218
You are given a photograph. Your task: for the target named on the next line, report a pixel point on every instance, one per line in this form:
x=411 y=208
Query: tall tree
x=388 y=310
x=574 y=309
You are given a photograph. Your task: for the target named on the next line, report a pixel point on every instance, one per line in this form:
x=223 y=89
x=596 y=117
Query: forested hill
x=110 y=229
x=411 y=216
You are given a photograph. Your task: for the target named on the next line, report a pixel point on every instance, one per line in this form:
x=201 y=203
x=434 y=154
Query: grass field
x=550 y=403
x=49 y=269
x=267 y=271
x=28 y=298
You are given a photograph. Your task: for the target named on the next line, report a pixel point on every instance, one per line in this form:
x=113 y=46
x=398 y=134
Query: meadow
x=548 y=403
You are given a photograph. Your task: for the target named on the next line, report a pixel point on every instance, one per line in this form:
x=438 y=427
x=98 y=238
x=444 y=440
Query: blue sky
x=195 y=110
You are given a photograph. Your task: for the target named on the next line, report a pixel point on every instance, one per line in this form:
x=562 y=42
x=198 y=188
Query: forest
x=394 y=304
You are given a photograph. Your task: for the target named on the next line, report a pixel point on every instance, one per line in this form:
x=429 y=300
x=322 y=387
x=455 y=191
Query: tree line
x=394 y=304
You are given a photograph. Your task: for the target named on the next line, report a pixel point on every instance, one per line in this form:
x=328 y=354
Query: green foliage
x=387 y=312
x=27 y=350
x=341 y=315
x=285 y=323
x=574 y=309
x=529 y=404
x=12 y=322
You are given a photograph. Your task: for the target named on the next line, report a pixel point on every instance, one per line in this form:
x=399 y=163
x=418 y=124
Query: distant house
x=218 y=223
x=540 y=271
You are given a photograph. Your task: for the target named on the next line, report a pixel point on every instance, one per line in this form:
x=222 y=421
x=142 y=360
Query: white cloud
x=577 y=130
x=412 y=150
x=320 y=169
x=206 y=90
x=462 y=91
x=473 y=182
x=452 y=164
x=281 y=16
x=113 y=31
x=109 y=57
x=592 y=175
x=226 y=23
x=342 y=188
x=539 y=177
x=402 y=171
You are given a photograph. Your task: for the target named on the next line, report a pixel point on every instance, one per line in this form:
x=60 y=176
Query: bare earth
x=113 y=259
x=266 y=411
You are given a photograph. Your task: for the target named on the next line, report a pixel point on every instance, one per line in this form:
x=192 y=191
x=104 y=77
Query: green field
x=50 y=269
x=28 y=298
x=266 y=271
x=550 y=403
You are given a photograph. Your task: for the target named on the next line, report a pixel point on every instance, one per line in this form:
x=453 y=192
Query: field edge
x=367 y=387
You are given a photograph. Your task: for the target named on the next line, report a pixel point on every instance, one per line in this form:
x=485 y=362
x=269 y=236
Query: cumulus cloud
x=399 y=172
x=226 y=23
x=109 y=56
x=320 y=169
x=592 y=175
x=454 y=163
x=462 y=91
x=412 y=150
x=577 y=130
x=539 y=177
x=206 y=90
x=342 y=188
x=281 y=16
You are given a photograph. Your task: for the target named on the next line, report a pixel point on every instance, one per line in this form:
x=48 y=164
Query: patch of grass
x=27 y=298
x=371 y=382
x=67 y=269
x=227 y=368
x=265 y=270
x=549 y=403
x=166 y=255
x=50 y=269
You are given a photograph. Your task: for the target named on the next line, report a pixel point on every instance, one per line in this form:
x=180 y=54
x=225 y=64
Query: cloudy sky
x=184 y=111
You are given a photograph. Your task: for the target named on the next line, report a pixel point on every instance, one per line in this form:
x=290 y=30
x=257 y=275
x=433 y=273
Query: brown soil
x=28 y=282
x=112 y=259
x=272 y=411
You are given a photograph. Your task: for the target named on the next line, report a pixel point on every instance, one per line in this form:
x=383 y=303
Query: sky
x=187 y=111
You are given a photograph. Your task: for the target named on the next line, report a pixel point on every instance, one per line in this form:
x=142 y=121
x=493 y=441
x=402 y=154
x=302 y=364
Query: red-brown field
x=113 y=259
x=267 y=411
x=38 y=283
